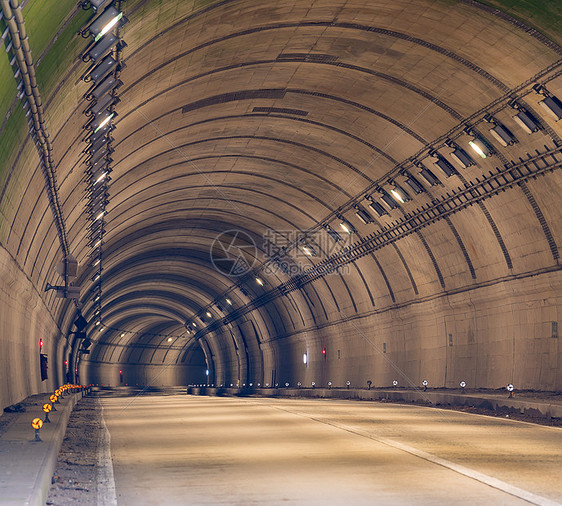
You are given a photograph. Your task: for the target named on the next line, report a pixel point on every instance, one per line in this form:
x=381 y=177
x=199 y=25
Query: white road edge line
x=475 y=475
x=465 y=471
x=105 y=495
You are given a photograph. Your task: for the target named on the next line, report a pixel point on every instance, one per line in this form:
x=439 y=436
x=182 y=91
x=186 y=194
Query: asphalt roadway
x=182 y=449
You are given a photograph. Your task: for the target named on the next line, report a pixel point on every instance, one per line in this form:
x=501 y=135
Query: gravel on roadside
x=9 y=415
x=76 y=475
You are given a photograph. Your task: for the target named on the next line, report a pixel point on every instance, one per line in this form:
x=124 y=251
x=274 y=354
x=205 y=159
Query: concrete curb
x=27 y=467
x=495 y=402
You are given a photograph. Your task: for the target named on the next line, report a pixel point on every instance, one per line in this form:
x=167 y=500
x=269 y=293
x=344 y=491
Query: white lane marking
x=465 y=471
x=106 y=495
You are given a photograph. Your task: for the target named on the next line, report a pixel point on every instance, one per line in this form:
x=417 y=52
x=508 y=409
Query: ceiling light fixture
x=387 y=199
x=101 y=48
x=363 y=215
x=399 y=193
x=444 y=165
x=429 y=176
x=99 y=144
x=480 y=147
x=101 y=177
x=98 y=4
x=105 y=121
x=347 y=227
x=105 y=23
x=526 y=121
x=332 y=233
x=553 y=106
x=102 y=69
x=378 y=208
x=414 y=184
x=101 y=133
x=503 y=135
x=309 y=250
x=461 y=158
x=107 y=85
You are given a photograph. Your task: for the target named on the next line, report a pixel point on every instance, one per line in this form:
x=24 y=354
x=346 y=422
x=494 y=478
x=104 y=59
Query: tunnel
x=302 y=194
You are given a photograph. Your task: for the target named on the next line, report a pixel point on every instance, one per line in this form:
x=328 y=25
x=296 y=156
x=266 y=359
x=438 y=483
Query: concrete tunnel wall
x=224 y=124
x=24 y=320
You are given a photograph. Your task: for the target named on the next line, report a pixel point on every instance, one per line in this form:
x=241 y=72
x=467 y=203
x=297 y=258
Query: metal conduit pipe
x=30 y=96
x=20 y=45
x=34 y=88
x=24 y=44
x=20 y=57
x=27 y=80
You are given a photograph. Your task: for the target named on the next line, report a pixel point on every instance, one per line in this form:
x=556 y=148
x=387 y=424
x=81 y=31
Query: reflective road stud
x=37 y=423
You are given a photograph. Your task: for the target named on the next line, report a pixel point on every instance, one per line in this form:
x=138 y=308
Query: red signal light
x=120 y=371
x=66 y=362
x=323 y=351
x=40 y=344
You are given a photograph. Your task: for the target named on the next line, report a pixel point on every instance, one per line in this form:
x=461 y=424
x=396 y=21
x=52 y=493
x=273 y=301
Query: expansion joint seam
x=540 y=216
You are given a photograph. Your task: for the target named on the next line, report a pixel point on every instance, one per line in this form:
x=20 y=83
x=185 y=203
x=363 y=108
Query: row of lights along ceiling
x=394 y=195
x=104 y=54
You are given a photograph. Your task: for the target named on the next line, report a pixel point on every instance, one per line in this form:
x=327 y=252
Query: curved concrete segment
x=353 y=192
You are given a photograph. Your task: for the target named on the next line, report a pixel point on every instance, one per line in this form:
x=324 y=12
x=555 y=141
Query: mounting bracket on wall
x=68 y=271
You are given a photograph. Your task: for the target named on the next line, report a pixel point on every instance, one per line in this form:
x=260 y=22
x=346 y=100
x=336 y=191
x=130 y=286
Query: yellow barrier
x=37 y=423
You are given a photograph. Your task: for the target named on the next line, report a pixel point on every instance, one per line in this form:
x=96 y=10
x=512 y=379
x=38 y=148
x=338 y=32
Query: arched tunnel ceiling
x=277 y=119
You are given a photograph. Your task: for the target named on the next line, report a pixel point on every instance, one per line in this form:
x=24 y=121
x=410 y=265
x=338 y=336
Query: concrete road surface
x=209 y=450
